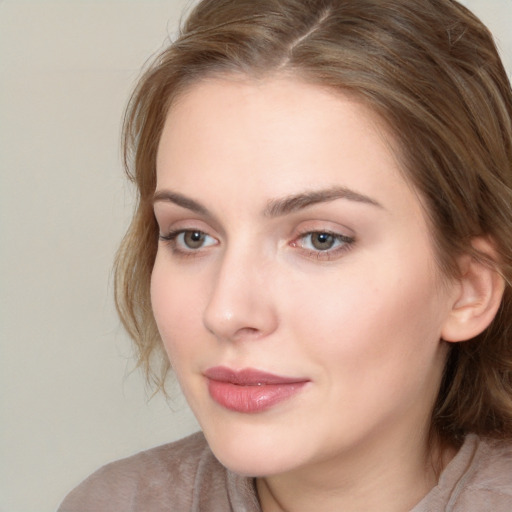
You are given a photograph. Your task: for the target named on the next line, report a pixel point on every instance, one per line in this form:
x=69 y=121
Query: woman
x=322 y=247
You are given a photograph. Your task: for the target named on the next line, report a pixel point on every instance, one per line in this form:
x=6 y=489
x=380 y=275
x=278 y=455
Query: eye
x=320 y=241
x=192 y=239
x=323 y=243
x=188 y=240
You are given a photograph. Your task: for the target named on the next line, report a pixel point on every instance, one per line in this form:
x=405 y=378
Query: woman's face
x=295 y=287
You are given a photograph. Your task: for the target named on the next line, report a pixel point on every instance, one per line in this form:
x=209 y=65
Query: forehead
x=272 y=100
x=275 y=137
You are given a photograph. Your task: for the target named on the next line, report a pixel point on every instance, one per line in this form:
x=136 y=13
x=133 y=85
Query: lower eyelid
x=330 y=255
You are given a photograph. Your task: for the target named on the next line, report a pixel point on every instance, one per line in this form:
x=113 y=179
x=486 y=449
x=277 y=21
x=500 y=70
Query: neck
x=393 y=479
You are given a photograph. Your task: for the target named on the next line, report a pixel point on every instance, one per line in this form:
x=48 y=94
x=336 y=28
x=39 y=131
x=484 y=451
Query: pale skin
x=291 y=243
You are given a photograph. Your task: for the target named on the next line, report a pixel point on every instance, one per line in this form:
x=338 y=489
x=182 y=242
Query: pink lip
x=250 y=390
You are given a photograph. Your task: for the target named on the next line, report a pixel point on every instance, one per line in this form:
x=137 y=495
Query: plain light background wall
x=68 y=401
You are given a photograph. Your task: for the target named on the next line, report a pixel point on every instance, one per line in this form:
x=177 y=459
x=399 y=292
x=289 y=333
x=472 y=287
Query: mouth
x=249 y=390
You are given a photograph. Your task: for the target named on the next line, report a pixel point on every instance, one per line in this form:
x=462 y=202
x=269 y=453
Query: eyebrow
x=180 y=200
x=278 y=207
x=275 y=207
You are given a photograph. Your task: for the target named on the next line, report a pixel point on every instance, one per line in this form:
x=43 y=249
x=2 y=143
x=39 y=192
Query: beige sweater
x=185 y=476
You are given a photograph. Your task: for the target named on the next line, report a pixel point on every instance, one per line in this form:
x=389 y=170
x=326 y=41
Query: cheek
x=374 y=314
x=176 y=307
x=373 y=343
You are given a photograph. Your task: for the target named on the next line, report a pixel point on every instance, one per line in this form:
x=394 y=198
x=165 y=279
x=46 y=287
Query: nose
x=241 y=304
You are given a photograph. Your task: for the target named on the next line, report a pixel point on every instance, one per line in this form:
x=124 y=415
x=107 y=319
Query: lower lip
x=251 y=399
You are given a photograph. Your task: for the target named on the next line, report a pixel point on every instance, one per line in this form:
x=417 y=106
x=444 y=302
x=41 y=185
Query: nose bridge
x=240 y=302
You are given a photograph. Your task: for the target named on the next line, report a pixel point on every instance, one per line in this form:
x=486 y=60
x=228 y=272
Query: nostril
x=247 y=333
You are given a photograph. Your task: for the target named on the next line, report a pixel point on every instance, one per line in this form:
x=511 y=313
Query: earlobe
x=479 y=293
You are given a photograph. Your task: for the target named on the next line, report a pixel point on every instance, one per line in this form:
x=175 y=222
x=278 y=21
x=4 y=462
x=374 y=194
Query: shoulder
x=487 y=483
x=150 y=480
x=478 y=479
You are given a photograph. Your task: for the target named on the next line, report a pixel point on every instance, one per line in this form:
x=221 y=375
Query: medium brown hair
x=431 y=70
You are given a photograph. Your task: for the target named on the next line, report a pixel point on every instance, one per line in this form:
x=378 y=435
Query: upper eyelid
x=165 y=220
x=167 y=224
x=197 y=212
x=330 y=231
x=347 y=239
x=171 y=223
x=178 y=231
x=324 y=226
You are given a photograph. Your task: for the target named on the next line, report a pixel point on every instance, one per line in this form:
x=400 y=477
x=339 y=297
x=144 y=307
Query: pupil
x=194 y=239
x=322 y=241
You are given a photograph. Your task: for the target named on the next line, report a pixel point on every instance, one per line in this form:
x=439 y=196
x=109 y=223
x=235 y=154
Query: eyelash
x=346 y=243
x=179 y=250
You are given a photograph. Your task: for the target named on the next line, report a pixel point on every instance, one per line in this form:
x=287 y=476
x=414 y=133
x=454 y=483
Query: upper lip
x=248 y=376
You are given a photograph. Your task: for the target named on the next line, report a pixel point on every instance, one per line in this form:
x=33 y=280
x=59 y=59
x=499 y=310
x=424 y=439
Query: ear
x=478 y=295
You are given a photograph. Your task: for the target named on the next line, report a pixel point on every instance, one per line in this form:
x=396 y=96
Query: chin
x=252 y=454
x=250 y=463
